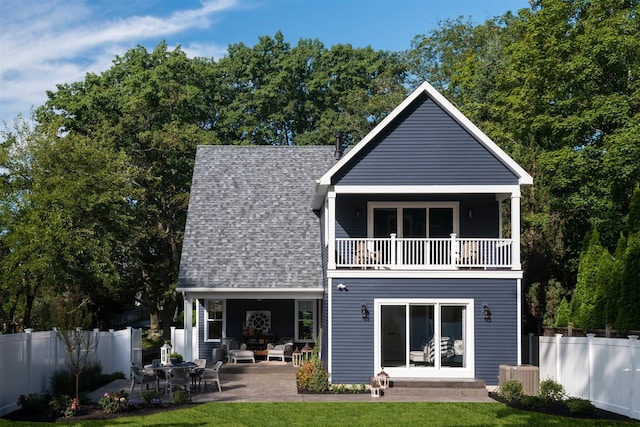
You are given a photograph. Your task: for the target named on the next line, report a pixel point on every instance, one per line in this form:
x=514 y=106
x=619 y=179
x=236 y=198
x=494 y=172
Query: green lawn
x=364 y=414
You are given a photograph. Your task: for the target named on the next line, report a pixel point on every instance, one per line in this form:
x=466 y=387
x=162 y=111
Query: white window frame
x=468 y=371
x=399 y=206
x=207 y=320
x=314 y=305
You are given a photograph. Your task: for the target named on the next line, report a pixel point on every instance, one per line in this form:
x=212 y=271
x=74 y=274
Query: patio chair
x=178 y=377
x=138 y=376
x=280 y=351
x=211 y=375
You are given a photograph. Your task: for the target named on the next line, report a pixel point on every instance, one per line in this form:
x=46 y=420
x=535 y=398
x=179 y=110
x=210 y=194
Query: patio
x=275 y=381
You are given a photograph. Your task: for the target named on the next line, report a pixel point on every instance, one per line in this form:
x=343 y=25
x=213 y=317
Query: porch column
x=331 y=229
x=515 y=230
x=188 y=327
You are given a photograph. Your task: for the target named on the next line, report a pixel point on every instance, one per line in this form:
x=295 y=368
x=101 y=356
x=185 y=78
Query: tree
x=72 y=312
x=629 y=301
x=66 y=216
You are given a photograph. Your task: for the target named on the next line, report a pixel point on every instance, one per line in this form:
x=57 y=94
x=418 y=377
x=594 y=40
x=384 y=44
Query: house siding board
x=250 y=222
x=484 y=221
x=352 y=338
x=425 y=146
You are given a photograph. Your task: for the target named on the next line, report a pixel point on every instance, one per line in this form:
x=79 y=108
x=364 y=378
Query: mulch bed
x=560 y=409
x=90 y=412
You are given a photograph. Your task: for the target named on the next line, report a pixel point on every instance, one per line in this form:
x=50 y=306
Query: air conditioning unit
x=527 y=375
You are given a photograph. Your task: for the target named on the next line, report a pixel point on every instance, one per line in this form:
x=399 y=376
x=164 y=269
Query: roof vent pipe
x=338 y=153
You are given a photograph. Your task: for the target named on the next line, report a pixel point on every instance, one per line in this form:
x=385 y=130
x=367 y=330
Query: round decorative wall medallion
x=259 y=320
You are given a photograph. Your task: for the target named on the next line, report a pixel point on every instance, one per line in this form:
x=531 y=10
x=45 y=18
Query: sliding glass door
x=424 y=337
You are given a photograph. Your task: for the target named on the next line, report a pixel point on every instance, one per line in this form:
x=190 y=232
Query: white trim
x=296 y=330
x=254 y=293
x=455 y=206
x=329 y=326
x=518 y=321
x=424 y=274
x=461 y=119
x=206 y=319
x=426 y=372
x=427 y=189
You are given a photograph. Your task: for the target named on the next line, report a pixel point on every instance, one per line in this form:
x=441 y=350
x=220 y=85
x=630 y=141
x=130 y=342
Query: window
x=214 y=317
x=305 y=320
x=413 y=219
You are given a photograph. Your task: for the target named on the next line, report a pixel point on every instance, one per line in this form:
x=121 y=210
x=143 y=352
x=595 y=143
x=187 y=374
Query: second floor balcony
x=424 y=253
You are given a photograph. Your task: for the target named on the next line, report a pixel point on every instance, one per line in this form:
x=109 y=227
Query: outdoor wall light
x=487 y=313
x=365 y=312
x=342 y=287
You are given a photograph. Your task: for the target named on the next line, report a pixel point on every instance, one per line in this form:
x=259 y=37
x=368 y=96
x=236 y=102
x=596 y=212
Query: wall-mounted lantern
x=365 y=312
x=487 y=313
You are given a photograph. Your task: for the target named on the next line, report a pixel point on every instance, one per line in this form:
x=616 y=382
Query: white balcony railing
x=423 y=253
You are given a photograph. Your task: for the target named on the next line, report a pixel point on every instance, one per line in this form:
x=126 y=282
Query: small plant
x=338 y=388
x=152 y=397
x=181 y=397
x=580 y=407
x=136 y=403
x=34 y=402
x=176 y=358
x=551 y=391
x=511 y=390
x=113 y=403
x=63 y=405
x=363 y=388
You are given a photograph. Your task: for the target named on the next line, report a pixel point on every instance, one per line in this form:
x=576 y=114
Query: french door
x=425 y=338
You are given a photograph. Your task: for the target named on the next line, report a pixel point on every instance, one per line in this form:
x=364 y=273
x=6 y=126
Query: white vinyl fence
x=604 y=370
x=27 y=360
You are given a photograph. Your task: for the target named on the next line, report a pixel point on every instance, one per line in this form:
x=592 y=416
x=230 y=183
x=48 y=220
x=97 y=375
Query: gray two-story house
x=404 y=251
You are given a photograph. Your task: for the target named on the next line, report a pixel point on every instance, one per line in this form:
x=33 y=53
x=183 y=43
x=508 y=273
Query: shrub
x=176 y=358
x=62 y=382
x=63 y=405
x=113 y=403
x=181 y=397
x=136 y=403
x=34 y=402
x=580 y=407
x=551 y=391
x=511 y=390
x=312 y=376
x=533 y=401
x=338 y=388
x=152 y=397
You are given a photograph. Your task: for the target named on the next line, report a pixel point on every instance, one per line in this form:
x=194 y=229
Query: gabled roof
x=324 y=182
x=249 y=224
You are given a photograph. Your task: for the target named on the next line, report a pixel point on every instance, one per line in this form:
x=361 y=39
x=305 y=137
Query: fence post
x=634 y=392
x=530 y=348
x=453 y=253
x=29 y=354
x=590 y=364
x=558 y=358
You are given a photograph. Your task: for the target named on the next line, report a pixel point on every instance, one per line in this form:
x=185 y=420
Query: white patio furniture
x=280 y=351
x=178 y=377
x=139 y=376
x=211 y=375
x=242 y=355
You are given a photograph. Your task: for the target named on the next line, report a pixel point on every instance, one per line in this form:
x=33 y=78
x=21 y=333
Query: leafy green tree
x=66 y=215
x=629 y=301
x=583 y=301
x=564 y=313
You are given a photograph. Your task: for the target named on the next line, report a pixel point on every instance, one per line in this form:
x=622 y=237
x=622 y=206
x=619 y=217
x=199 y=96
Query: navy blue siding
x=351 y=212
x=425 y=146
x=352 y=338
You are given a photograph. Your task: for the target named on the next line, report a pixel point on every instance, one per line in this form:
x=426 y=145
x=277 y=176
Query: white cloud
x=44 y=43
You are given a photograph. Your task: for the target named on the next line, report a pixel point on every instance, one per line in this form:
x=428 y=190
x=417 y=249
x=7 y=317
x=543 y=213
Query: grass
x=331 y=413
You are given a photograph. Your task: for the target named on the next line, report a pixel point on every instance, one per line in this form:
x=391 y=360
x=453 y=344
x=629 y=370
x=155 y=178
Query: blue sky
x=45 y=42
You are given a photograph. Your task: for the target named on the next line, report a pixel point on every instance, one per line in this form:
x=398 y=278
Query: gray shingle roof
x=250 y=223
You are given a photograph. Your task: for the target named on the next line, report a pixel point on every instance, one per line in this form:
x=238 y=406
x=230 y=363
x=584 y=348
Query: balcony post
x=392 y=248
x=515 y=231
x=331 y=229
x=453 y=251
